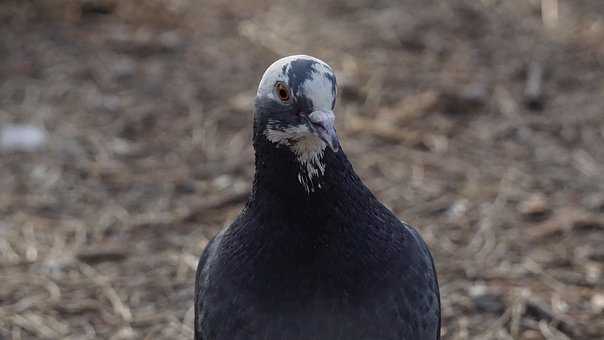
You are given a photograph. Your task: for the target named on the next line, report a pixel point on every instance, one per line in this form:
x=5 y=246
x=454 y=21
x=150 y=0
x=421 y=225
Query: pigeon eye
x=282 y=91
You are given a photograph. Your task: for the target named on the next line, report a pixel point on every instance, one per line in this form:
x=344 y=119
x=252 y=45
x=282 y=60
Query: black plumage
x=331 y=263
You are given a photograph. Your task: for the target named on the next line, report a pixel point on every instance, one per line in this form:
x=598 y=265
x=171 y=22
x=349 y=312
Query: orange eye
x=282 y=91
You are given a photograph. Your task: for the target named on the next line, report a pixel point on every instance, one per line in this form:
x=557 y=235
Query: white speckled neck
x=308 y=148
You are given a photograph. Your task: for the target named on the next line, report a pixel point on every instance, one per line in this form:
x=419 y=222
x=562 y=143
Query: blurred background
x=125 y=145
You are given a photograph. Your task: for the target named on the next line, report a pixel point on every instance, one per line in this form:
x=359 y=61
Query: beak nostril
x=318 y=125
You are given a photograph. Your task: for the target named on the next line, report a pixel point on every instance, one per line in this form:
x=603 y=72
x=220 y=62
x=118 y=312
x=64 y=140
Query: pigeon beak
x=321 y=123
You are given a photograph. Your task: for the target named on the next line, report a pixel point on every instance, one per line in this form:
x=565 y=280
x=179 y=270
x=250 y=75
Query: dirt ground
x=480 y=122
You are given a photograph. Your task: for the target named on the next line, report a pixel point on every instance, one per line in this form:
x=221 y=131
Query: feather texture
x=332 y=265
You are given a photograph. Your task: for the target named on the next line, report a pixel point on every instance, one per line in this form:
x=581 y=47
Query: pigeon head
x=294 y=105
x=294 y=112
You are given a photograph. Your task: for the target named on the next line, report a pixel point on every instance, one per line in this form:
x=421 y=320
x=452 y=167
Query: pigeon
x=313 y=255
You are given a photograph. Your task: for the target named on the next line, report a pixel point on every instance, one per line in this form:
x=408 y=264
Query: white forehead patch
x=319 y=87
x=273 y=74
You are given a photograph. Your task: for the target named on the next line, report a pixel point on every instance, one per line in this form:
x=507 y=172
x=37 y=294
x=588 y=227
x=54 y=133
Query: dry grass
x=478 y=121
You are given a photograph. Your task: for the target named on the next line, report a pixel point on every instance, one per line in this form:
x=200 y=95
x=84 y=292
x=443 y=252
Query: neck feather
x=283 y=174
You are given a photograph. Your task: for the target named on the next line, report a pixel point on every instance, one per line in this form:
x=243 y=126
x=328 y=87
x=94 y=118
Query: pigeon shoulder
x=202 y=282
x=429 y=306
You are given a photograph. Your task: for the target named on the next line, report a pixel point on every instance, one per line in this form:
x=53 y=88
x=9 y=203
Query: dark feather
x=333 y=264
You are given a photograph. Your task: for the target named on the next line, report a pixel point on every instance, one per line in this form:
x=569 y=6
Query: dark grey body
x=331 y=265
